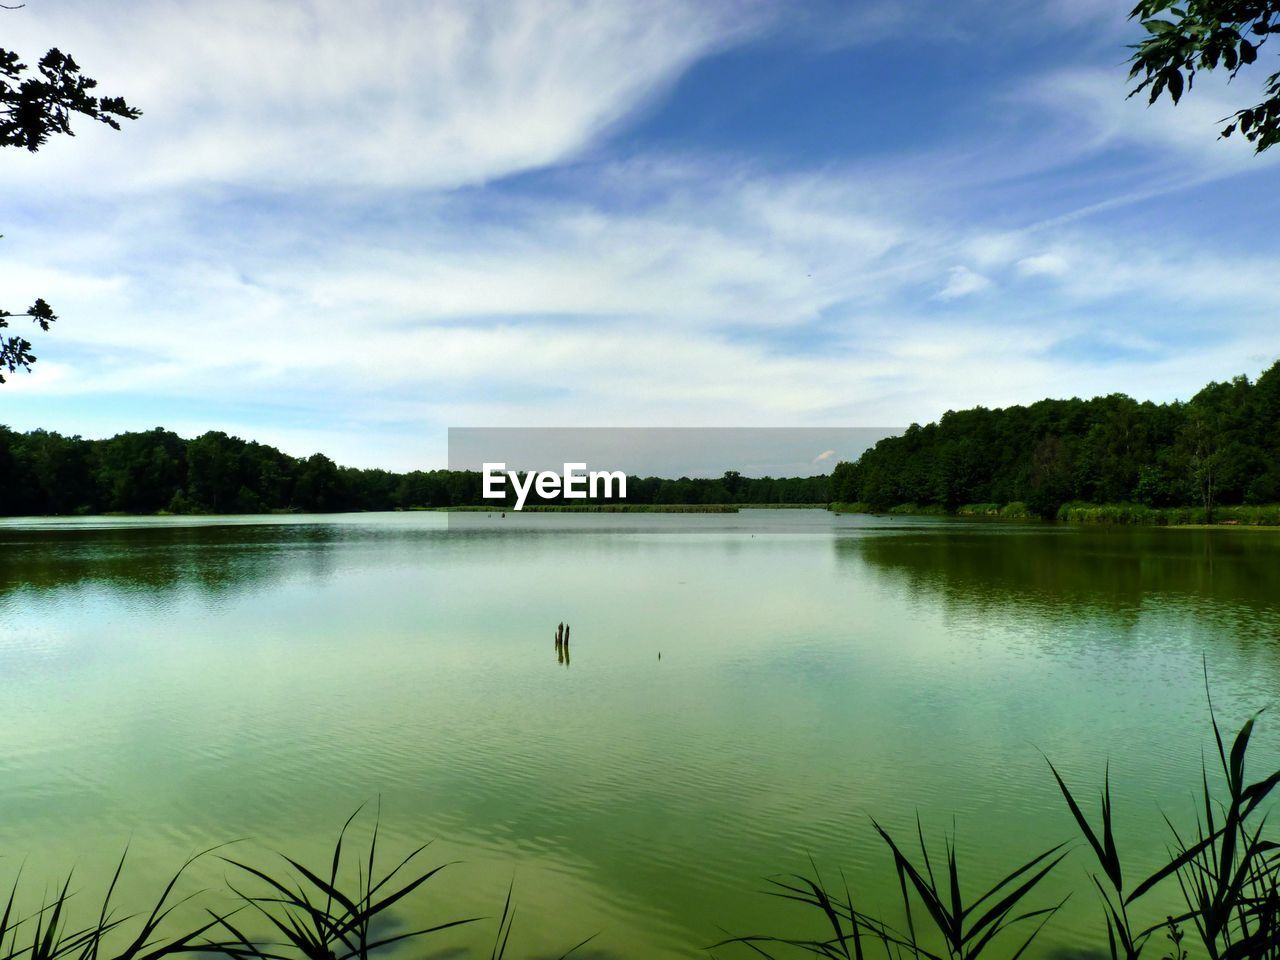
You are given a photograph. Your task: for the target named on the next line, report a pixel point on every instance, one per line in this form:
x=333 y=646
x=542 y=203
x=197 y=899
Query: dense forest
x=1220 y=447
x=44 y=473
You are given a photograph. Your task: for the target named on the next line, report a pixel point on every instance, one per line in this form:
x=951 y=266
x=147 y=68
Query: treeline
x=1220 y=447
x=44 y=473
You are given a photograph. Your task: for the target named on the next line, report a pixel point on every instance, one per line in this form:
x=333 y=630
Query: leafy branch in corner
x=15 y=352
x=35 y=105
x=1184 y=38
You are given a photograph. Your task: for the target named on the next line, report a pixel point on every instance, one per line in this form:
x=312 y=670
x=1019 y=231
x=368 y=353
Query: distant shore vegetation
x=1214 y=459
x=43 y=473
x=1121 y=514
x=1109 y=459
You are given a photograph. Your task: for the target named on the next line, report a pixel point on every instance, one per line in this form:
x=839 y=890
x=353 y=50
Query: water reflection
x=1119 y=572
x=208 y=559
x=843 y=670
x=1153 y=601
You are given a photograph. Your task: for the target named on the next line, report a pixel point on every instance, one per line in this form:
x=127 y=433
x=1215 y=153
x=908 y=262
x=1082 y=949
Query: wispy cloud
x=962 y=282
x=391 y=94
x=349 y=232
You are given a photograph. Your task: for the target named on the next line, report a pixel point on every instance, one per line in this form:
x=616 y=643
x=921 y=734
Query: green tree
x=1200 y=440
x=319 y=485
x=140 y=472
x=35 y=105
x=213 y=470
x=1187 y=36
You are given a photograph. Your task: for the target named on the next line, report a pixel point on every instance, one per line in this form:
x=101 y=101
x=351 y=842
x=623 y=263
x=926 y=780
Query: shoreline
x=1261 y=516
x=463 y=508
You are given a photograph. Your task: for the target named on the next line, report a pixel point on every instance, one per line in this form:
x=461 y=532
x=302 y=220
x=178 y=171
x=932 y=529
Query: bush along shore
x=596 y=508
x=1007 y=511
x=1133 y=514
x=1224 y=861
x=638 y=507
x=1263 y=515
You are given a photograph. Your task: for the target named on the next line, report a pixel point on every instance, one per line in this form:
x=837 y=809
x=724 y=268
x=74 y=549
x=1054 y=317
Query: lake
x=174 y=683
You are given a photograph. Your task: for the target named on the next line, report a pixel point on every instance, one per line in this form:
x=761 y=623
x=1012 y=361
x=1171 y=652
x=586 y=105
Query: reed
x=316 y=918
x=330 y=912
x=1017 y=511
x=949 y=928
x=47 y=934
x=1137 y=513
x=783 y=506
x=1227 y=870
x=978 y=510
x=597 y=508
x=633 y=508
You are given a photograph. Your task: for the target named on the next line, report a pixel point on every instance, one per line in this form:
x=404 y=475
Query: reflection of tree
x=208 y=558
x=1069 y=574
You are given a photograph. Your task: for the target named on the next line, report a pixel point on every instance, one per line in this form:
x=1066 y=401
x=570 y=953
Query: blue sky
x=347 y=227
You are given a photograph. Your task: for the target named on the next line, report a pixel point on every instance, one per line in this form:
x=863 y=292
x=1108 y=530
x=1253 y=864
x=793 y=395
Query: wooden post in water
x=562 y=644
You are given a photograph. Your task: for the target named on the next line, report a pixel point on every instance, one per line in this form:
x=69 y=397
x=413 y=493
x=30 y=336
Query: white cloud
x=1096 y=113
x=385 y=93
x=962 y=282
x=569 y=312
x=824 y=455
x=1044 y=265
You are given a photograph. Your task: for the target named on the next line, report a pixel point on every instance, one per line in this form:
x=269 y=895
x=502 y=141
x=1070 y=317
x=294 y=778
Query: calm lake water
x=175 y=683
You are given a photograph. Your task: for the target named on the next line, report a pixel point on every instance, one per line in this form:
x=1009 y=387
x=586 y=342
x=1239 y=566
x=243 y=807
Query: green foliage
x=978 y=510
x=1016 y=511
x=1186 y=36
x=44 y=473
x=1137 y=513
x=1221 y=447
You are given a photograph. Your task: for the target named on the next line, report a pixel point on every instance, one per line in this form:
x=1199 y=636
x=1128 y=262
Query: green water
x=175 y=683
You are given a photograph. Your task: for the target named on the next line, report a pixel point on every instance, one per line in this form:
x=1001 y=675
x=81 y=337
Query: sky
x=347 y=227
